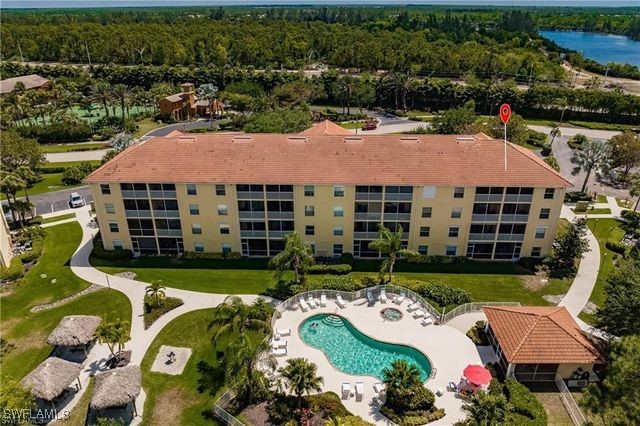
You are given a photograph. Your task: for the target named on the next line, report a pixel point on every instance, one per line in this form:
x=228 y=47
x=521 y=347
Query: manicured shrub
x=154 y=310
x=444 y=295
x=320 y=269
x=74 y=174
x=12 y=272
x=619 y=248
x=524 y=403
x=234 y=255
x=34 y=254
x=340 y=283
x=346 y=259
x=575 y=196
x=477 y=334
x=69 y=131
x=438 y=259
x=100 y=253
x=36 y=220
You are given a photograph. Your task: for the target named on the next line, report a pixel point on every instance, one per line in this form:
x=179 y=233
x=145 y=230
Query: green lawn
x=28 y=331
x=626 y=205
x=59 y=218
x=147 y=125
x=69 y=147
x=176 y=399
x=594 y=211
x=604 y=230
x=353 y=124
x=65 y=164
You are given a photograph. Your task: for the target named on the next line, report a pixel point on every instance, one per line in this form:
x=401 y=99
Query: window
x=338 y=231
x=226 y=248
x=220 y=190
x=194 y=209
x=458 y=192
x=429 y=192
x=198 y=247
x=338 y=211
x=191 y=189
x=113 y=227
x=423 y=250
x=224 y=229
x=454 y=231
x=456 y=213
x=309 y=230
x=544 y=213
x=105 y=189
x=109 y=208
x=117 y=245
x=536 y=251
x=426 y=212
x=309 y=211
x=451 y=250
x=541 y=231
x=425 y=231
x=549 y=193
x=337 y=249
x=222 y=210
x=338 y=190
x=309 y=191
x=196 y=229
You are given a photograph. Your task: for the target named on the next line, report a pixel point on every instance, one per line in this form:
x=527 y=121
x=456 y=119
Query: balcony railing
x=510 y=237
x=484 y=217
x=134 y=194
x=515 y=218
x=518 y=198
x=397 y=216
x=488 y=197
x=169 y=232
x=166 y=213
x=251 y=215
x=278 y=234
x=280 y=215
x=398 y=197
x=162 y=194
x=368 y=196
x=279 y=196
x=369 y=216
x=366 y=235
x=137 y=213
x=482 y=237
x=253 y=234
x=250 y=195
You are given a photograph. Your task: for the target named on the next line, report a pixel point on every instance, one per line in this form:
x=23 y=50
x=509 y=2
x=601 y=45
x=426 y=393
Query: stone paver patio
x=162 y=365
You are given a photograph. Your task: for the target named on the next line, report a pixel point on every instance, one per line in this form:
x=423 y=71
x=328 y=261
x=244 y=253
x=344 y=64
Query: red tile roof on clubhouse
x=316 y=157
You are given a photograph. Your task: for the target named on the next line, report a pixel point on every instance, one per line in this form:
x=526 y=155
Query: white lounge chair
x=340 y=302
x=283 y=331
x=370 y=298
x=346 y=390
x=419 y=314
x=427 y=320
x=383 y=296
x=378 y=387
x=311 y=301
x=279 y=352
x=323 y=300
x=412 y=307
x=399 y=299
x=279 y=344
x=303 y=304
x=359 y=387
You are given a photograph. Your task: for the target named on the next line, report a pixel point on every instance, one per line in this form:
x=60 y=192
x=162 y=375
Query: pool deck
x=448 y=349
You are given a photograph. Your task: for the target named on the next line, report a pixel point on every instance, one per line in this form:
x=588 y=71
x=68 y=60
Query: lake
x=603 y=48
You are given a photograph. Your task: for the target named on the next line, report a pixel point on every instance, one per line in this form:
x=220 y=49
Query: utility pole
x=530 y=73
x=20 y=50
x=86 y=46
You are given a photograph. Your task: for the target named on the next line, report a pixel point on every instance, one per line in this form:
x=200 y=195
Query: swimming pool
x=352 y=352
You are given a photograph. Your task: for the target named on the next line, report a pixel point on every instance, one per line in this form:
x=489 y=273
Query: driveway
x=58 y=200
x=199 y=124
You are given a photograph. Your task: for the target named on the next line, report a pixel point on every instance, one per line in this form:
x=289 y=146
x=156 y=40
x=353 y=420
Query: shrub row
x=101 y=253
x=575 y=196
x=34 y=254
x=320 y=269
x=152 y=311
x=12 y=272
x=57 y=132
x=444 y=295
x=438 y=259
x=616 y=247
x=234 y=255
x=524 y=403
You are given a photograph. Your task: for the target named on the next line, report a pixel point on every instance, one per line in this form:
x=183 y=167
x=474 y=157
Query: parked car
x=75 y=200
x=372 y=125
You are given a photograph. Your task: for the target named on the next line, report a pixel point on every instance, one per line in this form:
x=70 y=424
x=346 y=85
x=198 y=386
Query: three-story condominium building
x=452 y=195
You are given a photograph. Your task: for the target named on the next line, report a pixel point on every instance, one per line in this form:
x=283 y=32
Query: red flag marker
x=505 y=113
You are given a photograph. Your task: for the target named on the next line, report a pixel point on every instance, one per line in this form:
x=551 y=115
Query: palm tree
x=242 y=359
x=104 y=335
x=593 y=155
x=296 y=256
x=486 y=409
x=209 y=92
x=23 y=208
x=301 y=377
x=102 y=91
x=390 y=243
x=554 y=133
x=11 y=183
x=401 y=375
x=634 y=188
x=344 y=87
x=28 y=176
x=234 y=316
x=121 y=92
x=156 y=291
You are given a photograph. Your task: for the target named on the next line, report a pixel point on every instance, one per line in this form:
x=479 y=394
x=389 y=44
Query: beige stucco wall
x=5 y=243
x=324 y=221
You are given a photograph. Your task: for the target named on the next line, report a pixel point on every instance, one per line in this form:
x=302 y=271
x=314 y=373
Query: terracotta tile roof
x=540 y=335
x=326 y=127
x=31 y=81
x=438 y=160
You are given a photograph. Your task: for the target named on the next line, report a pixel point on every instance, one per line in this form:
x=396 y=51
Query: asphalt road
x=59 y=200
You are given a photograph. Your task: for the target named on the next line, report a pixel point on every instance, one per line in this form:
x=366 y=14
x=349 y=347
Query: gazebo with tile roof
x=537 y=343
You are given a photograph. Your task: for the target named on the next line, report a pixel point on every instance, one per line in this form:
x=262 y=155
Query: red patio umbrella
x=477 y=374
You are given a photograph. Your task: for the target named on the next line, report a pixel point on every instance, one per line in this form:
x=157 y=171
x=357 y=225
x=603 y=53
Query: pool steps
x=333 y=321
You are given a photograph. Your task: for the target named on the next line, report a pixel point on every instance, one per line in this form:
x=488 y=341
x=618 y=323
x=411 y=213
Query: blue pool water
x=603 y=48
x=352 y=352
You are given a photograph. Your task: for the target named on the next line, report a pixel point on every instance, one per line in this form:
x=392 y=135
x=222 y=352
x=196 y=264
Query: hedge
x=320 y=269
x=574 y=196
x=14 y=271
x=444 y=295
x=616 y=247
x=34 y=254
x=525 y=404
x=438 y=259
x=152 y=311
x=57 y=132
x=234 y=255
x=99 y=251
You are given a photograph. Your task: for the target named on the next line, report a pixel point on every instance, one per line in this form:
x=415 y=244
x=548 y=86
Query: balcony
x=482 y=237
x=397 y=216
x=488 y=197
x=253 y=234
x=135 y=194
x=518 y=198
x=250 y=195
x=280 y=215
x=369 y=216
x=137 y=213
x=366 y=235
x=510 y=237
x=251 y=215
x=515 y=218
x=169 y=232
x=166 y=213
x=484 y=217
x=368 y=196
x=278 y=195
x=162 y=194
x=278 y=234
x=398 y=197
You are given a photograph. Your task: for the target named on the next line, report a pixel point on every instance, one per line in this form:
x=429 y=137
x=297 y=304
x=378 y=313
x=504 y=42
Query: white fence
x=224 y=415
x=569 y=403
x=473 y=307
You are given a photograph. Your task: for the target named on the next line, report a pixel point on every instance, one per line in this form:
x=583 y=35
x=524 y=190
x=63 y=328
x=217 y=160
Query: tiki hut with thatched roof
x=117 y=388
x=51 y=378
x=74 y=330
